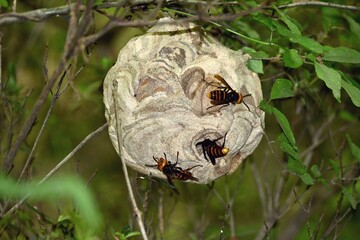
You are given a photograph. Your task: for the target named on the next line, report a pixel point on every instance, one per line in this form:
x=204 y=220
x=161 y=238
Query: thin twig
x=43 y=14
x=161 y=213
x=59 y=165
x=14 y=6
x=52 y=104
x=259 y=185
x=137 y=212
x=221 y=233
x=0 y=63
x=71 y=49
x=319 y=4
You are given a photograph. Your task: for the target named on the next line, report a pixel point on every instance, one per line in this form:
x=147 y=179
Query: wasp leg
x=217 y=105
x=171 y=185
x=212 y=160
x=247 y=95
x=203 y=148
x=224 y=139
x=177 y=158
x=246 y=105
x=156 y=160
x=193 y=167
x=148 y=165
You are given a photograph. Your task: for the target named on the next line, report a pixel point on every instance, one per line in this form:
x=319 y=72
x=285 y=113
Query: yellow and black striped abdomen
x=217 y=95
x=217 y=151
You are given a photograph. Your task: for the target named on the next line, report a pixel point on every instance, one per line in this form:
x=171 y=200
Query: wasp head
x=161 y=163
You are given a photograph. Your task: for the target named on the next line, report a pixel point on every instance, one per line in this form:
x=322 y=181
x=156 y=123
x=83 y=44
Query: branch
x=71 y=49
x=42 y=14
x=319 y=4
x=137 y=212
x=59 y=165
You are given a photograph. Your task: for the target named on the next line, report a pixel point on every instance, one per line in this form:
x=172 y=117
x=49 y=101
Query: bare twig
x=71 y=48
x=319 y=4
x=221 y=233
x=53 y=101
x=59 y=165
x=161 y=213
x=306 y=211
x=43 y=14
x=137 y=212
x=1 y=86
x=259 y=185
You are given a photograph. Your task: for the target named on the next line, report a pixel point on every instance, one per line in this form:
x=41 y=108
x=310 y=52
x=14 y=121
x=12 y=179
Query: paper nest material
x=160 y=82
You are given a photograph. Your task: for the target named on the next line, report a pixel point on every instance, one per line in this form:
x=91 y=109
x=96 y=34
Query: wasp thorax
x=176 y=90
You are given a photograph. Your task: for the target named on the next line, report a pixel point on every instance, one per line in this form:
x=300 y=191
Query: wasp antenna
x=177 y=158
x=246 y=105
x=218 y=139
x=155 y=159
x=224 y=139
x=165 y=156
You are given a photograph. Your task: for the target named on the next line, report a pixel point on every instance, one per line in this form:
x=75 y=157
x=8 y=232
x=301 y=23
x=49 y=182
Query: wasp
x=225 y=95
x=212 y=149
x=172 y=171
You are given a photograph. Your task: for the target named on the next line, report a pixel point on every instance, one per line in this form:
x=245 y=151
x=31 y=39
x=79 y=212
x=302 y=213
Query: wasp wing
x=222 y=80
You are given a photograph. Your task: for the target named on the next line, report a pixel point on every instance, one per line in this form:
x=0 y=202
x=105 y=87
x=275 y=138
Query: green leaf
x=296 y=166
x=355 y=150
x=11 y=85
x=347 y=116
x=255 y=54
x=306 y=42
x=4 y=3
x=126 y=230
x=285 y=125
x=354 y=26
x=255 y=66
x=282 y=120
x=287 y=147
x=331 y=78
x=349 y=197
x=353 y=92
x=245 y=28
x=265 y=106
x=341 y=54
x=282 y=88
x=264 y=20
x=292 y=59
x=335 y=166
x=286 y=19
x=307 y=179
x=131 y=234
x=51 y=190
x=315 y=171
x=311 y=57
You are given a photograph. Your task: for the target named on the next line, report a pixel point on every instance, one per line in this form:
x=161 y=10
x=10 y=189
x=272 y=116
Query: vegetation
x=300 y=183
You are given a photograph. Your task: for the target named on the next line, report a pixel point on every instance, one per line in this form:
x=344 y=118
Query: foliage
x=81 y=223
x=303 y=176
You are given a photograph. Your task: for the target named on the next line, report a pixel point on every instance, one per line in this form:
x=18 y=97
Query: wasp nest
x=157 y=96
